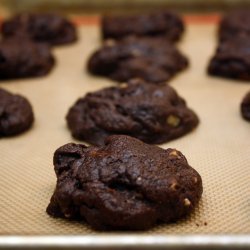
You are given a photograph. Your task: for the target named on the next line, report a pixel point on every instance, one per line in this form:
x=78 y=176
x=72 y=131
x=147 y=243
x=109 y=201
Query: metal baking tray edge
x=114 y=241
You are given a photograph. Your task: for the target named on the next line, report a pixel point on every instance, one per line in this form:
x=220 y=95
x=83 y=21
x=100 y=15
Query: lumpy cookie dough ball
x=235 y=23
x=124 y=184
x=151 y=59
x=164 y=24
x=149 y=112
x=24 y=58
x=245 y=107
x=232 y=59
x=49 y=28
x=16 y=115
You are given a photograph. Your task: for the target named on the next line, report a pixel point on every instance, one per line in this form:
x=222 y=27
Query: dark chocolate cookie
x=232 y=59
x=154 y=60
x=16 y=115
x=245 y=107
x=48 y=28
x=24 y=58
x=165 y=24
x=235 y=23
x=125 y=184
x=149 y=112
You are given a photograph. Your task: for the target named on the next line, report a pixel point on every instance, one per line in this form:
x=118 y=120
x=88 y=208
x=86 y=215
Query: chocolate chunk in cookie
x=49 y=28
x=149 y=112
x=164 y=24
x=235 y=23
x=153 y=60
x=245 y=107
x=24 y=58
x=16 y=115
x=125 y=184
x=232 y=59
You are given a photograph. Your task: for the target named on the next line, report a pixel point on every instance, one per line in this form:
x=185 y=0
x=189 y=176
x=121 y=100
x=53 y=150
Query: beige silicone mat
x=219 y=148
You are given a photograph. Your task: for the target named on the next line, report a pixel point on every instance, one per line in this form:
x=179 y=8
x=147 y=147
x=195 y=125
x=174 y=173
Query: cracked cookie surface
x=24 y=58
x=164 y=24
x=154 y=60
x=149 y=112
x=232 y=59
x=124 y=184
x=49 y=28
x=234 y=24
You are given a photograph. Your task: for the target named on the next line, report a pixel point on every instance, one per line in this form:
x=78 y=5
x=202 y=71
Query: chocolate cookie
x=16 y=115
x=245 y=107
x=125 y=184
x=154 y=60
x=232 y=59
x=49 y=28
x=165 y=24
x=24 y=58
x=149 y=112
x=235 y=23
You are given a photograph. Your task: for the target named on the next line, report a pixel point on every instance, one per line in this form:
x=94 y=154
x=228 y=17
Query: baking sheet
x=218 y=149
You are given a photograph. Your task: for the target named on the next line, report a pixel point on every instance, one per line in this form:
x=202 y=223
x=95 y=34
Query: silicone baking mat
x=219 y=149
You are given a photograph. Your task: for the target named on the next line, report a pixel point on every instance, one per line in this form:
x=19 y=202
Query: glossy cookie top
x=149 y=112
x=124 y=184
x=151 y=59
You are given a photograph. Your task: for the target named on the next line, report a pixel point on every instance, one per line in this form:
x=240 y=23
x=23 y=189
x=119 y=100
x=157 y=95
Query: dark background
x=8 y=7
